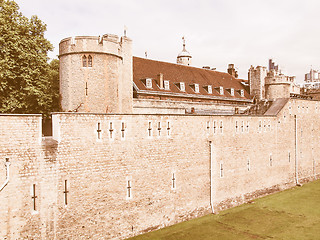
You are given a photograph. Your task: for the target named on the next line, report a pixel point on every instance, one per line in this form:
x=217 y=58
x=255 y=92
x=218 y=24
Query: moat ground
x=291 y=214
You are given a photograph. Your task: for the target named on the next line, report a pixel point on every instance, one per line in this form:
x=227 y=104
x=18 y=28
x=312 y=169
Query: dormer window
x=242 y=93
x=182 y=86
x=196 y=87
x=221 y=91
x=149 y=83
x=166 y=85
x=209 y=89
x=232 y=91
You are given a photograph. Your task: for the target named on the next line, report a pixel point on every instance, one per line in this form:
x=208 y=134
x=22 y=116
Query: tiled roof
x=176 y=73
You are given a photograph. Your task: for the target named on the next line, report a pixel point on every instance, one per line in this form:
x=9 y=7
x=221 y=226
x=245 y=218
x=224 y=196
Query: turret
x=256 y=77
x=184 y=57
x=96 y=74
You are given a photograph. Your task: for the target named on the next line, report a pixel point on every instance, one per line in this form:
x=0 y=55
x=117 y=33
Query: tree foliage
x=26 y=78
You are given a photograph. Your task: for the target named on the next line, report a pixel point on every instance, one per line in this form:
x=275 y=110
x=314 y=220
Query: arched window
x=84 y=61
x=89 y=61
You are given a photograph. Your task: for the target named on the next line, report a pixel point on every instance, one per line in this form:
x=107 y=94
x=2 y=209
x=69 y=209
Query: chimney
x=232 y=71
x=160 y=80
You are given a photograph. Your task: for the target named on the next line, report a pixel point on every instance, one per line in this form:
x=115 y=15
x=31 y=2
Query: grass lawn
x=291 y=214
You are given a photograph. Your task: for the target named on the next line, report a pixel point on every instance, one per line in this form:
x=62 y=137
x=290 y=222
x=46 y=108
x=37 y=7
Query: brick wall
x=251 y=155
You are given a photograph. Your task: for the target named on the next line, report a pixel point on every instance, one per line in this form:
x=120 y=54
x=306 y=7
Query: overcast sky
x=217 y=32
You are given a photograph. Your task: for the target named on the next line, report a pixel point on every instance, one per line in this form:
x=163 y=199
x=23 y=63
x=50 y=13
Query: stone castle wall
x=250 y=155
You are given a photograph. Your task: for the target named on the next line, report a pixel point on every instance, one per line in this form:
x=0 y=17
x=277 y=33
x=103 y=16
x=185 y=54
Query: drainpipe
x=7 y=164
x=211 y=176
x=296 y=148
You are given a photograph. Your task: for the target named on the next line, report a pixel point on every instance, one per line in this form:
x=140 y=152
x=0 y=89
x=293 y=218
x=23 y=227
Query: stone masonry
x=112 y=176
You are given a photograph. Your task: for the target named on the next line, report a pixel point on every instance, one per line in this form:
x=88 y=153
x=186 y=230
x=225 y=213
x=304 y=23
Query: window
x=236 y=126
x=182 y=86
x=208 y=126
x=221 y=127
x=123 y=129
x=34 y=197
x=149 y=129
x=242 y=126
x=166 y=85
x=221 y=170
x=86 y=89
x=129 y=189
x=242 y=93
x=260 y=126
x=89 y=61
x=289 y=156
x=248 y=164
x=173 y=179
x=232 y=91
x=159 y=129
x=221 y=91
x=99 y=131
x=196 y=88
x=210 y=89
x=65 y=192
x=168 y=128
x=149 y=83
x=214 y=127
x=111 y=130
x=84 y=61
x=247 y=128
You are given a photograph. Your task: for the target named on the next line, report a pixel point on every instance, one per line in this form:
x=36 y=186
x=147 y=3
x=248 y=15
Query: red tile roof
x=176 y=73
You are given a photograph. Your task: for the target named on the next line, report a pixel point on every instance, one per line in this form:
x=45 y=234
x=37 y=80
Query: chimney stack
x=160 y=80
x=232 y=71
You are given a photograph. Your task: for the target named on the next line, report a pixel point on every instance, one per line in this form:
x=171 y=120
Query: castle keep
x=142 y=144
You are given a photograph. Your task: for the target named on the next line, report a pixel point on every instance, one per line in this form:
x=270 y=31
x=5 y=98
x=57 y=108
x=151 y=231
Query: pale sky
x=217 y=32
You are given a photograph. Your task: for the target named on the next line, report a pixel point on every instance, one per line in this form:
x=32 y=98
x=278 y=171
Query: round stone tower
x=96 y=74
x=184 y=57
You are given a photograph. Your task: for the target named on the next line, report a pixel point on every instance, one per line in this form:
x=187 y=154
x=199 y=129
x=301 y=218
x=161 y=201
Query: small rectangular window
x=214 y=127
x=149 y=83
x=168 y=128
x=221 y=91
x=111 y=130
x=159 y=129
x=289 y=156
x=210 y=89
x=208 y=126
x=232 y=91
x=221 y=170
x=123 y=130
x=149 y=129
x=182 y=86
x=242 y=126
x=221 y=127
x=248 y=164
x=166 y=85
x=129 y=189
x=99 y=131
x=237 y=127
x=196 y=88
x=260 y=126
x=173 y=179
x=247 y=128
x=242 y=93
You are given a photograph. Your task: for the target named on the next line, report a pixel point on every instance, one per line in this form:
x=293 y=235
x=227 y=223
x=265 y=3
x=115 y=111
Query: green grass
x=291 y=214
